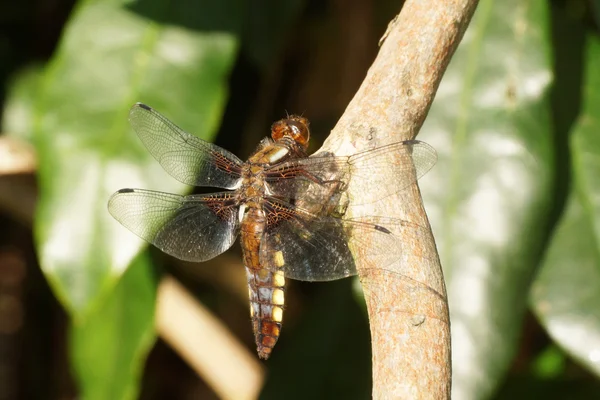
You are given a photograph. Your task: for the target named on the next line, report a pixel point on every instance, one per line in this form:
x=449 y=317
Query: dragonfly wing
x=321 y=175
x=191 y=228
x=185 y=157
x=311 y=247
x=405 y=161
x=318 y=176
x=307 y=247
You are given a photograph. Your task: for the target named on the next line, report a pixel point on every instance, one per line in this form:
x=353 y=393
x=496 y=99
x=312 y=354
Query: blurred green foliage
x=513 y=202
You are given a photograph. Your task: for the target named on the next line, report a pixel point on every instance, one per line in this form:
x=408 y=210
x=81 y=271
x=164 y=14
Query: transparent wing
x=191 y=228
x=312 y=247
x=320 y=175
x=307 y=247
x=185 y=157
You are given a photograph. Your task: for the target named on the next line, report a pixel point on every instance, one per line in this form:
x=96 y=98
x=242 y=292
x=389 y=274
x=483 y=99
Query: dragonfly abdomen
x=266 y=288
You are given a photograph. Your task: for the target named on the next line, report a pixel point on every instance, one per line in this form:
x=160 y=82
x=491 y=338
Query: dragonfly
x=288 y=208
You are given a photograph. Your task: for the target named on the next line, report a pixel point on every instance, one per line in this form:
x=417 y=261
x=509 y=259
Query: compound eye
x=299 y=131
x=293 y=127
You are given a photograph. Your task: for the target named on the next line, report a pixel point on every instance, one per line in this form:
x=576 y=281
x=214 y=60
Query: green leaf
x=109 y=58
x=109 y=348
x=566 y=293
x=488 y=199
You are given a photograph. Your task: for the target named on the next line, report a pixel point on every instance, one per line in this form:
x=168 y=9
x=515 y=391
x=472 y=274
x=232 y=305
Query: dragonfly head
x=294 y=127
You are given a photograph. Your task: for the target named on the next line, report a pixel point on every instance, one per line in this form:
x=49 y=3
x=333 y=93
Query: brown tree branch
x=407 y=301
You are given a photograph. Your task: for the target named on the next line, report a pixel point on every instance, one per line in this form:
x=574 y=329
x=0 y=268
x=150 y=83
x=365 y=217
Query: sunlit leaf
x=488 y=197
x=566 y=294
x=111 y=57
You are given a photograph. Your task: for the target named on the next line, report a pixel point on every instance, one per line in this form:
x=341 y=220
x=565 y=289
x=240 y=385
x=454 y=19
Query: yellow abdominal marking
x=277 y=314
x=278 y=258
x=278 y=279
x=251 y=310
x=278 y=297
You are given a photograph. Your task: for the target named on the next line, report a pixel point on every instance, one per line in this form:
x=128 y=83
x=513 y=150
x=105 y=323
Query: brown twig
x=16 y=157
x=407 y=304
x=17 y=185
